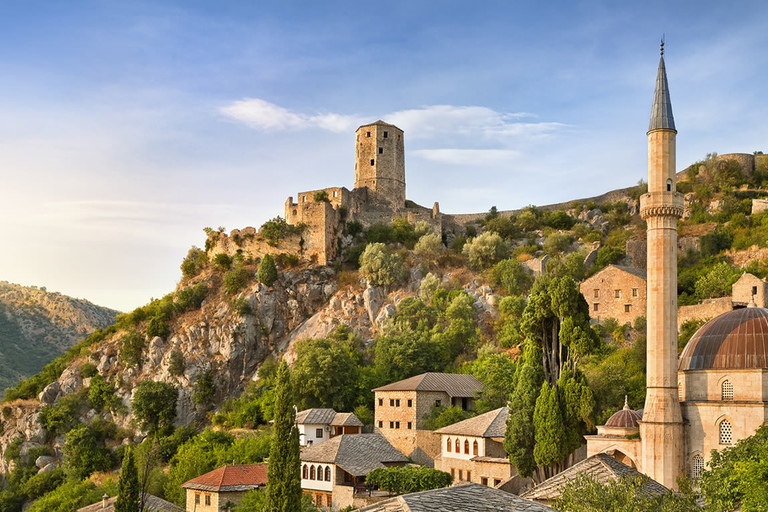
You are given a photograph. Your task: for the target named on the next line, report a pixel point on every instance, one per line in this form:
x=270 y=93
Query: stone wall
x=615 y=293
x=759 y=205
x=483 y=470
x=750 y=287
x=706 y=310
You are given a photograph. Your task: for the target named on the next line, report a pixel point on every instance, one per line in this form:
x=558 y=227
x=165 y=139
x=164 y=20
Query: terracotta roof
x=601 y=467
x=242 y=477
x=490 y=424
x=455 y=384
x=737 y=339
x=151 y=504
x=459 y=498
x=356 y=454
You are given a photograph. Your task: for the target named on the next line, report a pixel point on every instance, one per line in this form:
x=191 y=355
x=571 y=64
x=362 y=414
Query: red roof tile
x=230 y=478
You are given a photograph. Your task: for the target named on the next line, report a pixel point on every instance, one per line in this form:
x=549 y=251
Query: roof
x=601 y=467
x=455 y=384
x=661 y=112
x=736 y=339
x=357 y=454
x=625 y=418
x=243 y=477
x=379 y=122
x=151 y=504
x=459 y=498
x=327 y=417
x=630 y=270
x=490 y=424
x=346 y=419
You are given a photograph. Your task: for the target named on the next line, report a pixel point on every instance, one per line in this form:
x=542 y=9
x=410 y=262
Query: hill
x=36 y=326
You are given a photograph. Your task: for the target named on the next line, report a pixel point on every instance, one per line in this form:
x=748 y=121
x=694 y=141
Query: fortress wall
x=704 y=311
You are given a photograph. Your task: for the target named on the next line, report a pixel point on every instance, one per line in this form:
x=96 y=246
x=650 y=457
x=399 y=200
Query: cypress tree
x=551 y=446
x=519 y=439
x=267 y=270
x=283 y=475
x=128 y=499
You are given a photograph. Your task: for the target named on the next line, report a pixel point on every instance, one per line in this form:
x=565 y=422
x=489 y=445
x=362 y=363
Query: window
x=381 y=424
x=328 y=501
x=617 y=294
x=371 y=161
x=597 y=293
x=295 y=212
x=697 y=467
x=397 y=403
x=391 y=424
x=669 y=185
x=319 y=500
x=319 y=433
x=438 y=403
x=475 y=448
x=303 y=199
x=391 y=402
x=397 y=424
x=727 y=390
x=453 y=472
x=335 y=193
x=466 y=446
x=385 y=135
x=725 y=432
x=595 y=306
x=328 y=475
x=410 y=403
x=634 y=292
x=461 y=474
x=368 y=134
x=469 y=476
x=484 y=481
x=448 y=444
x=381 y=150
x=627 y=307
x=208 y=500
x=410 y=426
x=305 y=472
x=458 y=446
x=197 y=498
x=381 y=402
x=312 y=473
x=496 y=481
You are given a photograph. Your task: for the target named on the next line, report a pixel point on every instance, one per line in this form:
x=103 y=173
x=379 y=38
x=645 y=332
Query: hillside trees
x=154 y=405
x=267 y=271
x=283 y=474
x=128 y=495
x=485 y=250
x=381 y=268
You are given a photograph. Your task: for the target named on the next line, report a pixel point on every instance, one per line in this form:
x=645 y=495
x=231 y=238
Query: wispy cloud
x=263 y=115
x=468 y=157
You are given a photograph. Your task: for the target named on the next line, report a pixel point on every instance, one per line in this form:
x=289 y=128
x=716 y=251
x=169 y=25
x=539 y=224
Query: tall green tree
x=283 y=475
x=129 y=497
x=519 y=439
x=549 y=431
x=267 y=270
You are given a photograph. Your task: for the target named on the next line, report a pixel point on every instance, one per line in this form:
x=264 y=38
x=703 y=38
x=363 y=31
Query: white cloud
x=468 y=157
x=266 y=116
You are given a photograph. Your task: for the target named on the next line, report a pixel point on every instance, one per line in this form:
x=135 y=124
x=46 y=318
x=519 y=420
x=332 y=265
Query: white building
x=318 y=425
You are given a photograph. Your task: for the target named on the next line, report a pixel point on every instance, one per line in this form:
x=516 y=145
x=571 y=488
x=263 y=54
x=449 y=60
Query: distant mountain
x=36 y=326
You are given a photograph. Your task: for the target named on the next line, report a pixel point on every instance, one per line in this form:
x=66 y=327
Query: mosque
x=716 y=392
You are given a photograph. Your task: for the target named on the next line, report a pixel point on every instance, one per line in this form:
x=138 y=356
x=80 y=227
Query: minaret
x=661 y=429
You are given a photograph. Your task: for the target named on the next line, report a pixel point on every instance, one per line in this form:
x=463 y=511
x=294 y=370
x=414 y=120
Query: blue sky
x=126 y=127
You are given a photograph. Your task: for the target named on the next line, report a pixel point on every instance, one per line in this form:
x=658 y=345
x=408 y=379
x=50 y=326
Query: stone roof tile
x=455 y=384
x=357 y=454
x=490 y=424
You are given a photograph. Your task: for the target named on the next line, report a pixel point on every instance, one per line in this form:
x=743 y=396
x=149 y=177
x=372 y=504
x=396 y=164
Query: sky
x=126 y=127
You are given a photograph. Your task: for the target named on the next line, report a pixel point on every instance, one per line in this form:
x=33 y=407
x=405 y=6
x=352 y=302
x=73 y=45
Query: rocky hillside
x=36 y=326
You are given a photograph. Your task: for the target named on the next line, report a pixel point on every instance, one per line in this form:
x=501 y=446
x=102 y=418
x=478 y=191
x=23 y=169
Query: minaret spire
x=661 y=113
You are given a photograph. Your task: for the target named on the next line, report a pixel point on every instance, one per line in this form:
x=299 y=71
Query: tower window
x=385 y=135
x=754 y=290
x=634 y=292
x=725 y=432
x=371 y=161
x=597 y=293
x=627 y=308
x=595 y=306
x=368 y=134
x=381 y=150
x=697 y=467
x=669 y=185
x=727 y=390
x=617 y=294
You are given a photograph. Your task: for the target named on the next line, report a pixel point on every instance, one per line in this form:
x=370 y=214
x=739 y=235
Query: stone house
x=333 y=472
x=749 y=288
x=318 y=425
x=472 y=450
x=218 y=490
x=616 y=292
x=151 y=504
x=400 y=409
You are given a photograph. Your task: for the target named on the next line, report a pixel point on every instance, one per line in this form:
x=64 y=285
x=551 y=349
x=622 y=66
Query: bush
x=101 y=393
x=274 y=230
x=557 y=243
x=240 y=306
x=511 y=277
x=503 y=226
x=267 y=271
x=60 y=417
x=320 y=196
x=353 y=228
x=176 y=363
x=85 y=454
x=717 y=282
x=381 y=268
x=154 y=404
x=428 y=247
x=560 y=220
x=236 y=279
x=205 y=390
x=194 y=262
x=132 y=345
x=408 y=479
x=192 y=297
x=88 y=370
x=485 y=250
x=607 y=255
x=222 y=262
x=157 y=326
x=428 y=286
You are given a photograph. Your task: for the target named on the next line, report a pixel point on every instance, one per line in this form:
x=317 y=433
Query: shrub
x=381 y=268
x=607 y=255
x=176 y=363
x=511 y=277
x=193 y=262
x=85 y=454
x=428 y=286
x=409 y=479
x=717 y=282
x=428 y=247
x=222 y=261
x=503 y=226
x=267 y=271
x=192 y=297
x=205 y=390
x=13 y=452
x=557 y=243
x=60 y=417
x=240 y=306
x=236 y=279
x=88 y=370
x=154 y=404
x=320 y=196
x=485 y=250
x=403 y=232
x=353 y=228
x=101 y=393
x=286 y=260
x=273 y=230
x=132 y=345
x=157 y=326
x=560 y=220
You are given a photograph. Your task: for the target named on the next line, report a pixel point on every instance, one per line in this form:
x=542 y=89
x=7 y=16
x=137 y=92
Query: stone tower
x=380 y=161
x=661 y=429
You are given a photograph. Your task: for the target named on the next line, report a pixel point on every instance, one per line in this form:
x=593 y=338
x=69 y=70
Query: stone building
x=749 y=288
x=400 y=409
x=616 y=292
x=223 y=487
x=318 y=425
x=473 y=451
x=151 y=504
x=333 y=472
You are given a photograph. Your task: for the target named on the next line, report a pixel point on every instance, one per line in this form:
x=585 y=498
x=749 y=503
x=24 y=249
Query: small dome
x=625 y=418
x=735 y=340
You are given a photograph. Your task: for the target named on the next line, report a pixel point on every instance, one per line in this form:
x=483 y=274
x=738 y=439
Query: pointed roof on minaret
x=661 y=113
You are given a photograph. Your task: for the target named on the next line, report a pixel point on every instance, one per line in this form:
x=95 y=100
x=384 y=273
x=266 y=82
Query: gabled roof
x=346 y=419
x=661 y=112
x=379 y=122
x=630 y=270
x=243 y=477
x=356 y=454
x=151 y=504
x=327 y=417
x=455 y=384
x=459 y=498
x=490 y=424
x=601 y=467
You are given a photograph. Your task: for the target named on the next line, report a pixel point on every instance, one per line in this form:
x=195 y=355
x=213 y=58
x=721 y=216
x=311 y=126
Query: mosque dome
x=625 y=418
x=735 y=340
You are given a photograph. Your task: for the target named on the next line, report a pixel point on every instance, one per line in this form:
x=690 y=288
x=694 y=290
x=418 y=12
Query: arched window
x=320 y=473
x=697 y=466
x=475 y=448
x=725 y=432
x=312 y=473
x=466 y=446
x=458 y=446
x=327 y=473
x=448 y=444
x=727 y=390
x=669 y=185
x=305 y=472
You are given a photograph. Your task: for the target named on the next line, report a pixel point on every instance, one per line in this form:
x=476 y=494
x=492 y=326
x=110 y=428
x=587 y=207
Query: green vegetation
x=194 y=262
x=276 y=229
x=624 y=495
x=440 y=416
x=380 y=267
x=485 y=250
x=154 y=405
x=408 y=479
x=129 y=493
x=267 y=271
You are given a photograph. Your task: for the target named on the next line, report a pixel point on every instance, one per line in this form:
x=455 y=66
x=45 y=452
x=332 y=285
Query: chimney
x=104 y=501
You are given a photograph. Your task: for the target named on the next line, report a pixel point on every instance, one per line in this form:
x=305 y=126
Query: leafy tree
x=408 y=479
x=508 y=330
x=403 y=232
x=69 y=496
x=59 y=418
x=504 y=226
x=176 y=364
x=129 y=496
x=717 y=282
x=193 y=262
x=428 y=247
x=283 y=474
x=381 y=268
x=205 y=390
x=154 y=404
x=440 y=416
x=496 y=371
x=84 y=453
x=511 y=277
x=267 y=271
x=101 y=393
x=560 y=220
x=428 y=287
x=550 y=447
x=557 y=243
x=485 y=250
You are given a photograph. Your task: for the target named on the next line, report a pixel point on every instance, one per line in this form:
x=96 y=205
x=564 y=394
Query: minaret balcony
x=662 y=204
